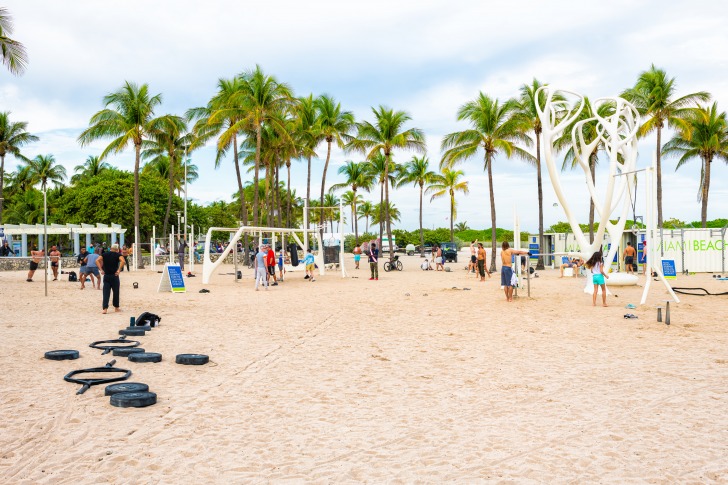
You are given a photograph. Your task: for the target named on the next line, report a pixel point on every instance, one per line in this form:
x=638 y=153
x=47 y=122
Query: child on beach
x=310 y=265
x=596 y=265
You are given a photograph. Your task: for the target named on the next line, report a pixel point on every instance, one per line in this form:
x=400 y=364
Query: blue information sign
x=533 y=248
x=668 y=269
x=172 y=279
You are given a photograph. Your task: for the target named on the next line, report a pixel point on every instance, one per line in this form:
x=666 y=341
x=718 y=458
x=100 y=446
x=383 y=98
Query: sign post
x=172 y=279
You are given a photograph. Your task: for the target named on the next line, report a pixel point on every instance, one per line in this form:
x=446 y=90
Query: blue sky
x=424 y=57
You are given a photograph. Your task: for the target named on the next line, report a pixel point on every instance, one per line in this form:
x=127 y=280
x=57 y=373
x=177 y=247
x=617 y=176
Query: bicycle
x=392 y=264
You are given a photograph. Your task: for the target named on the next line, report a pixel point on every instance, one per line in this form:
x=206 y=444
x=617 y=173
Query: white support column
x=76 y=243
x=154 y=254
x=305 y=226
x=341 y=239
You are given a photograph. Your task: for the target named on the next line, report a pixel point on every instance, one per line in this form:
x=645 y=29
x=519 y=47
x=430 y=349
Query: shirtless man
x=439 y=266
x=629 y=255
x=55 y=256
x=36 y=257
x=480 y=258
x=506 y=270
x=473 y=266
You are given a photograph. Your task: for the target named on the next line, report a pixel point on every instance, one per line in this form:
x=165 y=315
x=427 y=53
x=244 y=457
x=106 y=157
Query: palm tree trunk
x=256 y=201
x=381 y=213
x=137 y=231
x=278 y=196
x=659 y=176
x=308 y=182
x=356 y=221
x=592 y=171
x=452 y=215
x=171 y=194
x=386 y=208
x=243 y=209
x=2 y=185
x=323 y=186
x=493 y=237
x=288 y=202
x=706 y=187
x=422 y=233
x=539 y=263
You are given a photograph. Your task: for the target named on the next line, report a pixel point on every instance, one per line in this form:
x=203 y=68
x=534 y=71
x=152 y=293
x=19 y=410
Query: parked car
x=449 y=252
x=410 y=249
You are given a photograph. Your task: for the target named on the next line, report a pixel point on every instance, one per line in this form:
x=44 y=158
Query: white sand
x=352 y=380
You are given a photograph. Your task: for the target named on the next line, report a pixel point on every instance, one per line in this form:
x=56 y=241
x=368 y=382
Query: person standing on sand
x=439 y=266
x=270 y=262
x=506 y=270
x=55 y=256
x=480 y=259
x=281 y=261
x=357 y=256
x=473 y=266
x=92 y=270
x=35 y=256
x=629 y=254
x=81 y=260
x=110 y=264
x=261 y=273
x=310 y=264
x=596 y=265
x=181 y=252
x=374 y=261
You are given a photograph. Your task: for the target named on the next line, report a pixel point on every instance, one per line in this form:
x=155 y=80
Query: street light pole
x=186 y=163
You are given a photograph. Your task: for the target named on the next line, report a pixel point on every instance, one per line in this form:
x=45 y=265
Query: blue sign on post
x=533 y=248
x=172 y=279
x=668 y=269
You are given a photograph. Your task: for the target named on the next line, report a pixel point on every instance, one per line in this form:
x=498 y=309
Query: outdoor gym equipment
x=133 y=399
x=126 y=352
x=192 y=359
x=133 y=332
x=86 y=383
x=145 y=357
x=108 y=348
x=62 y=355
x=125 y=387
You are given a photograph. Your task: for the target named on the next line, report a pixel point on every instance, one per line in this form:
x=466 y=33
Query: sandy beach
x=400 y=380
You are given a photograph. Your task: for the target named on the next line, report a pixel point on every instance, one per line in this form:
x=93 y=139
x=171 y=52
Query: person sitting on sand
x=572 y=263
x=506 y=270
x=35 y=256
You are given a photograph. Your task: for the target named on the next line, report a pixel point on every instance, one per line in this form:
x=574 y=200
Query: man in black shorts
x=36 y=257
x=55 y=256
x=110 y=264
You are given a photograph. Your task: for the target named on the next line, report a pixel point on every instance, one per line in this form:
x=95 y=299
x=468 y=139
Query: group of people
x=265 y=266
x=104 y=265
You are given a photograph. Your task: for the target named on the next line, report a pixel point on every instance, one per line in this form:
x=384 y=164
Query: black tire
x=387 y=267
x=133 y=399
x=399 y=265
x=145 y=357
x=127 y=351
x=132 y=331
x=125 y=387
x=62 y=355
x=146 y=328
x=192 y=359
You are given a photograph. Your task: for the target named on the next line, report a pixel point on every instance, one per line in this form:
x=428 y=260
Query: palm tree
x=129 y=119
x=44 y=169
x=385 y=135
x=495 y=129
x=13 y=135
x=351 y=199
x=528 y=105
x=262 y=97
x=308 y=132
x=447 y=184
x=366 y=210
x=391 y=209
x=13 y=52
x=92 y=167
x=704 y=136
x=27 y=208
x=652 y=96
x=462 y=226
x=358 y=176
x=334 y=126
x=417 y=171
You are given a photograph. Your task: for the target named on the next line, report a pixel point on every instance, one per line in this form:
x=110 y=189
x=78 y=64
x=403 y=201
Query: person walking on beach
x=480 y=261
x=81 y=260
x=596 y=265
x=92 y=270
x=55 y=256
x=629 y=254
x=439 y=266
x=374 y=261
x=270 y=262
x=261 y=273
x=181 y=252
x=35 y=256
x=506 y=270
x=357 y=256
x=310 y=264
x=110 y=264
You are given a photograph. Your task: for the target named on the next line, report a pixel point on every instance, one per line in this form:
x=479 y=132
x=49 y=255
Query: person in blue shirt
x=261 y=273
x=374 y=261
x=310 y=265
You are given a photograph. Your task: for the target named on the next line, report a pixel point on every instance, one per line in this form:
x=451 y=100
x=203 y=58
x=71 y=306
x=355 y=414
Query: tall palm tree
x=129 y=119
x=308 y=132
x=495 y=129
x=385 y=135
x=417 y=171
x=528 y=104
x=27 y=208
x=378 y=167
x=13 y=135
x=705 y=136
x=351 y=199
x=448 y=183
x=589 y=132
x=652 y=95
x=13 y=52
x=391 y=209
x=366 y=210
x=44 y=169
x=262 y=96
x=170 y=139
x=358 y=176
x=334 y=126
x=92 y=167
